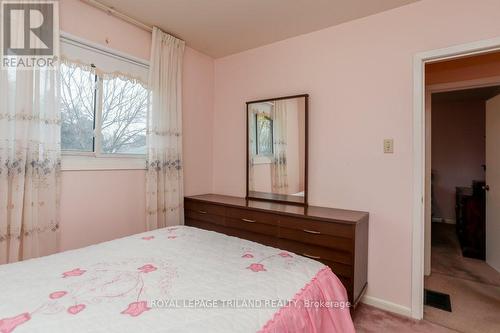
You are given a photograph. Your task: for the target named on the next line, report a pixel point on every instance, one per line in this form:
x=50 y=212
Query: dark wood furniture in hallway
x=471 y=220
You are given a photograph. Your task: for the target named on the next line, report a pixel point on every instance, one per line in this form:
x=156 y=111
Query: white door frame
x=419 y=157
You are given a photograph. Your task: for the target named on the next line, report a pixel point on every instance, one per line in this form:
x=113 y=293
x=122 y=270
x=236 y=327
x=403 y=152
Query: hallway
x=473 y=286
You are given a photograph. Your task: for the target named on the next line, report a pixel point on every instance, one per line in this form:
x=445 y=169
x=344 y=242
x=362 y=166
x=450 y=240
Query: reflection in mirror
x=277 y=149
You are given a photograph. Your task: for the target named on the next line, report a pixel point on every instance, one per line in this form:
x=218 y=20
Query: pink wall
x=360 y=80
x=102 y=205
x=98 y=206
x=458 y=150
x=197 y=112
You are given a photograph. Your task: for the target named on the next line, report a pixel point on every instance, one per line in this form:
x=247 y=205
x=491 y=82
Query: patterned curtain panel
x=164 y=184
x=252 y=142
x=279 y=167
x=29 y=163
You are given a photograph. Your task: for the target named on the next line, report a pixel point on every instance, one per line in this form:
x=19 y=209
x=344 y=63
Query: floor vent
x=437 y=300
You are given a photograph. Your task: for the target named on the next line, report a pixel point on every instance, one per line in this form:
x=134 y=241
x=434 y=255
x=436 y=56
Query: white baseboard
x=492 y=263
x=387 y=306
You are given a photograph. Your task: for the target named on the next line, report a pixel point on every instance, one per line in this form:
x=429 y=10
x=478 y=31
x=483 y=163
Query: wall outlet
x=388 y=146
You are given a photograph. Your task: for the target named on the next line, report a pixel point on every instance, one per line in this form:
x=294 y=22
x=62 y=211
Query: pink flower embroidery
x=76 y=308
x=57 y=294
x=147 y=268
x=247 y=255
x=148 y=237
x=256 y=267
x=74 y=272
x=285 y=255
x=7 y=325
x=172 y=237
x=136 y=308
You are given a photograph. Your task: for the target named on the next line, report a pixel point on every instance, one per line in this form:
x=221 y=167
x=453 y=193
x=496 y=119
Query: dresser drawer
x=317 y=238
x=203 y=215
x=318 y=227
x=205 y=225
x=257 y=227
x=343 y=272
x=252 y=216
x=252 y=236
x=317 y=252
x=204 y=208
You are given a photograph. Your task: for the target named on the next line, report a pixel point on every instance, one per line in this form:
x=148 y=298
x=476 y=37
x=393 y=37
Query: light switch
x=388 y=146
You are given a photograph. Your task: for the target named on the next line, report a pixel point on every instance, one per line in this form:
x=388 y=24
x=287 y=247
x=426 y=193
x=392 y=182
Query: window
x=124 y=116
x=264 y=134
x=113 y=108
x=104 y=106
x=77 y=108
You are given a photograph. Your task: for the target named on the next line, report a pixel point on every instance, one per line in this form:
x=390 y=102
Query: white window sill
x=88 y=162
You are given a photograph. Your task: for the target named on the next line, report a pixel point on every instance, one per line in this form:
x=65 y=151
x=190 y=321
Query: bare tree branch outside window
x=124 y=117
x=77 y=108
x=124 y=112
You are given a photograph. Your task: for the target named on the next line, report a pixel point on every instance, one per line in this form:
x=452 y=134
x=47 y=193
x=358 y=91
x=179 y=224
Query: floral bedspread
x=176 y=279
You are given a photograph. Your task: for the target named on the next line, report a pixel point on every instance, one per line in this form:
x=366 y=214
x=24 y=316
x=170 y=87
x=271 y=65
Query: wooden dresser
x=338 y=238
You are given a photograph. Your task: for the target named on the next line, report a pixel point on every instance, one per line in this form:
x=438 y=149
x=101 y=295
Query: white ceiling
x=222 y=27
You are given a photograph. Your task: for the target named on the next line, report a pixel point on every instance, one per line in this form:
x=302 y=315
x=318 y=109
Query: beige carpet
x=473 y=286
x=475 y=306
x=368 y=319
x=447 y=258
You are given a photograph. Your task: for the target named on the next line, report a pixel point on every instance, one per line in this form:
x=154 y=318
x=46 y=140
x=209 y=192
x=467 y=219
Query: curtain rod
x=114 y=12
x=126 y=18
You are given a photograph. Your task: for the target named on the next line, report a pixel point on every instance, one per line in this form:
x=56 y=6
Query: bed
x=176 y=279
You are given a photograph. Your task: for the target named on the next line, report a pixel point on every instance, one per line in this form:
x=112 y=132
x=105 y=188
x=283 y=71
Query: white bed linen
x=111 y=287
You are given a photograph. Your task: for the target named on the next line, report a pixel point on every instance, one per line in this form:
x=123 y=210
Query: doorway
x=462 y=280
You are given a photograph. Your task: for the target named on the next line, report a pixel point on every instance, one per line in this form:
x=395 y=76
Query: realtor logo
x=28 y=33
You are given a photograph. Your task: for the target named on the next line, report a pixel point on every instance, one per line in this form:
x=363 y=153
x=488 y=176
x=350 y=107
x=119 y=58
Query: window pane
x=124 y=115
x=264 y=135
x=77 y=108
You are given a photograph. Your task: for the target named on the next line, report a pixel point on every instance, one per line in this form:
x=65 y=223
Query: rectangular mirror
x=277 y=149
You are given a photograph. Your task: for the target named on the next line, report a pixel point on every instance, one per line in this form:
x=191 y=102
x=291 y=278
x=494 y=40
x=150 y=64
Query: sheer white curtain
x=252 y=151
x=164 y=193
x=29 y=163
x=279 y=167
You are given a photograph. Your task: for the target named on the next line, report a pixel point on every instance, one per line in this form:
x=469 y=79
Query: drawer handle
x=249 y=221
x=310 y=256
x=312 y=232
x=202 y=212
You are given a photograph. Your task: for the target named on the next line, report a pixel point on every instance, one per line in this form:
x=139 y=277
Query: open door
x=493 y=182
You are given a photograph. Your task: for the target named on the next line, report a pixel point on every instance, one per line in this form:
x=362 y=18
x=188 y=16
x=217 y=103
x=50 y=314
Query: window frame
x=73 y=160
x=257 y=140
